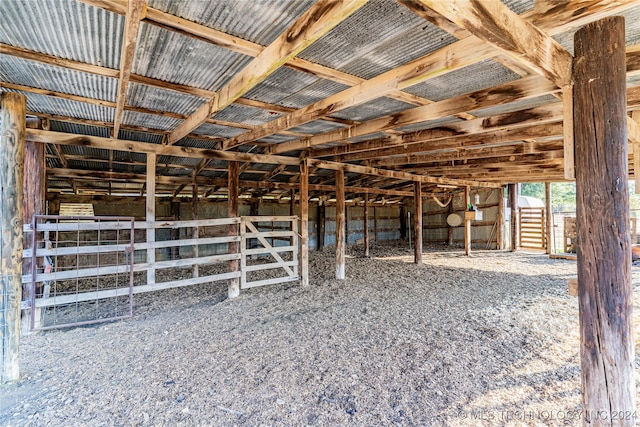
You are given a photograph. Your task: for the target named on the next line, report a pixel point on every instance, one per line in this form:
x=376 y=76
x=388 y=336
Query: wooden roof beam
x=494 y=23
x=321 y=18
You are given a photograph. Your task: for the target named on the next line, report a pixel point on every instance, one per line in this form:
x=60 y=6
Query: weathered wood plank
x=151 y=214
x=467 y=222
x=417 y=223
x=366 y=224
x=12 y=143
x=633 y=130
x=232 y=211
x=605 y=297
x=569 y=142
x=341 y=238
x=304 y=223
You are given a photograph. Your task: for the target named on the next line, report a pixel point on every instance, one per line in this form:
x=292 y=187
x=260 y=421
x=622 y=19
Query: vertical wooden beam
x=567 y=130
x=321 y=224
x=175 y=232
x=467 y=222
x=304 y=223
x=292 y=203
x=549 y=218
x=513 y=203
x=417 y=223
x=366 y=224
x=340 y=227
x=233 y=195
x=12 y=143
x=151 y=215
x=605 y=297
x=635 y=116
x=375 y=223
x=501 y=222
x=450 y=228
x=403 y=222
x=195 y=232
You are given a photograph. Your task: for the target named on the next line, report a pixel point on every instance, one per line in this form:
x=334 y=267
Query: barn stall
x=217 y=143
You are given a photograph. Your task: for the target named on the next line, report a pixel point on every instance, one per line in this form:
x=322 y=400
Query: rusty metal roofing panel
x=516 y=106
x=78 y=150
x=430 y=124
x=173 y=57
x=197 y=143
x=482 y=75
x=260 y=21
x=151 y=121
x=277 y=139
x=217 y=130
x=248 y=115
x=64 y=28
x=38 y=75
x=314 y=92
x=129 y=157
x=378 y=107
x=86 y=165
x=317 y=126
x=78 y=128
x=187 y=162
x=152 y=138
x=155 y=98
x=281 y=84
x=519 y=6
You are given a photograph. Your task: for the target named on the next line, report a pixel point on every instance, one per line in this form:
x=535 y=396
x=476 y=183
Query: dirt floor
x=490 y=339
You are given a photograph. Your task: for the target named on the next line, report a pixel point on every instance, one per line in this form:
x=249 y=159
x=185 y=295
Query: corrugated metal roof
x=173 y=57
x=196 y=143
x=248 y=115
x=430 y=124
x=85 y=165
x=129 y=157
x=77 y=150
x=516 y=106
x=36 y=74
x=314 y=92
x=269 y=18
x=317 y=126
x=64 y=28
x=77 y=128
x=519 y=6
x=183 y=161
x=152 y=121
x=281 y=84
x=277 y=139
x=160 y=99
x=217 y=130
x=482 y=75
x=378 y=107
x=152 y=138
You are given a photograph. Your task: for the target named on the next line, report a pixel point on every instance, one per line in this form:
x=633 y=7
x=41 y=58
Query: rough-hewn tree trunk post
x=467 y=223
x=304 y=223
x=513 y=202
x=366 y=224
x=549 y=218
x=12 y=143
x=417 y=223
x=195 y=233
x=151 y=215
x=232 y=207
x=35 y=186
x=321 y=221
x=605 y=296
x=340 y=227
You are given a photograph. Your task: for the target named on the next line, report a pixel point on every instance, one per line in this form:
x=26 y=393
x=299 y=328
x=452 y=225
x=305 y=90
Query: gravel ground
x=490 y=339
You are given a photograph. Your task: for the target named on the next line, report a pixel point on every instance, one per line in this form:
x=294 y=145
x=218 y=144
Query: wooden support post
x=375 y=223
x=467 y=222
x=12 y=146
x=151 y=215
x=340 y=227
x=304 y=223
x=233 y=195
x=195 y=233
x=175 y=232
x=417 y=223
x=605 y=298
x=549 y=218
x=366 y=224
x=35 y=186
x=635 y=116
x=513 y=202
x=321 y=224
x=292 y=203
x=501 y=222
x=450 y=228
x=403 y=222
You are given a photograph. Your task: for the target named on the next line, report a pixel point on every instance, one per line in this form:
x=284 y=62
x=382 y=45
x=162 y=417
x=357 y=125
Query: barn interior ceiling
x=448 y=93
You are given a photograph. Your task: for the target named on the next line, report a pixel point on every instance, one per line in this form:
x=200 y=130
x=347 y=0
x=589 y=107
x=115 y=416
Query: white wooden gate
x=270 y=239
x=533 y=229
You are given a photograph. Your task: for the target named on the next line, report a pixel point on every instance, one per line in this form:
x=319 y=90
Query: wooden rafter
x=313 y=24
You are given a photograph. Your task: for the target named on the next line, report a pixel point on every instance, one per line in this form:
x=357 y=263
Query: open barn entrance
x=85 y=270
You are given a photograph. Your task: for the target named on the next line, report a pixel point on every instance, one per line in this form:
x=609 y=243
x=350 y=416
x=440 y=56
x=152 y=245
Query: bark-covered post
x=12 y=143
x=35 y=186
x=417 y=222
x=513 y=202
x=340 y=226
x=304 y=223
x=233 y=188
x=548 y=218
x=467 y=222
x=195 y=232
x=151 y=216
x=366 y=224
x=605 y=298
